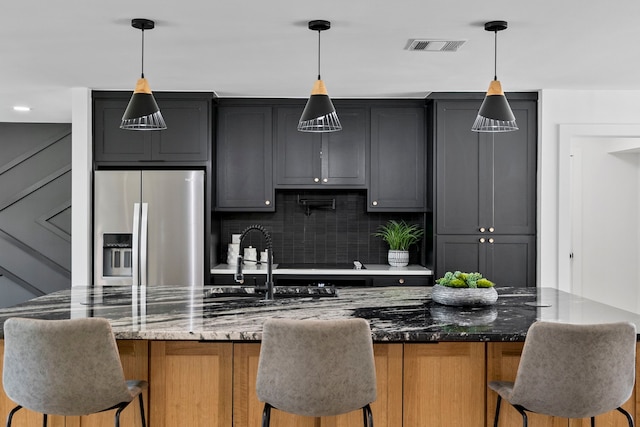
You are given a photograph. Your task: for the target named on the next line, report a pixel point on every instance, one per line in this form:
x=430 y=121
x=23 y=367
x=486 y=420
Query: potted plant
x=400 y=236
x=464 y=289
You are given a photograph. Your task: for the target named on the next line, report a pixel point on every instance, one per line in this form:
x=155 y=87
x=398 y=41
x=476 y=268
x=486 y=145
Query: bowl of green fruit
x=464 y=289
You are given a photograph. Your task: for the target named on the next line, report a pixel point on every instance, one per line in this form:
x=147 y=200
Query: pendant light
x=495 y=115
x=319 y=114
x=142 y=113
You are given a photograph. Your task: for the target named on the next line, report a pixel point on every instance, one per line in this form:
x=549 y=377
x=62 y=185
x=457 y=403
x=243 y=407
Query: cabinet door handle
x=267 y=202
x=482 y=239
x=374 y=203
x=316 y=179
x=482 y=229
x=491 y=240
x=325 y=180
x=491 y=229
x=401 y=281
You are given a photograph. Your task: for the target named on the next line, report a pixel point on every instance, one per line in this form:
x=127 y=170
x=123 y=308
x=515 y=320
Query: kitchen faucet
x=239 y=277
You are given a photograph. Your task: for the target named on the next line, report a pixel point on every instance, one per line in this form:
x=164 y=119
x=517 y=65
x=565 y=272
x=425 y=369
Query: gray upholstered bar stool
x=572 y=371
x=316 y=368
x=65 y=367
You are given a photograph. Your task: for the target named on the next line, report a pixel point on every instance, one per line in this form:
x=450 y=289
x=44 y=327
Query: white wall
x=558 y=108
x=81 y=184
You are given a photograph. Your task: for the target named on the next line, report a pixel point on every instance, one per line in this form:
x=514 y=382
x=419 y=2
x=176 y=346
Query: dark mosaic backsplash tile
x=319 y=235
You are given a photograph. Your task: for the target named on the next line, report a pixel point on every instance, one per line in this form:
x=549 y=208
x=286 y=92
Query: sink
x=232 y=291
x=242 y=292
x=305 y=291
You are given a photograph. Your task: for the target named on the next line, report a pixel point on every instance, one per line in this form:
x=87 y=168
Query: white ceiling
x=262 y=48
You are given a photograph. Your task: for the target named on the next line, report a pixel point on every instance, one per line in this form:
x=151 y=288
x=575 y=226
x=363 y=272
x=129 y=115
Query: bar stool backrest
x=316 y=367
x=63 y=367
x=576 y=371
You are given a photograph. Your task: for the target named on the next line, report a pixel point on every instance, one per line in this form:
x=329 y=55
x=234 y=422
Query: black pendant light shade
x=495 y=114
x=319 y=114
x=143 y=112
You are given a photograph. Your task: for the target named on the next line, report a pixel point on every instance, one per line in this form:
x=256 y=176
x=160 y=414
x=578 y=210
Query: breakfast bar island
x=199 y=349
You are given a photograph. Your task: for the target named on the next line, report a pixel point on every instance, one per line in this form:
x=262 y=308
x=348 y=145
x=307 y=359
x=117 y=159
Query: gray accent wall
x=35 y=210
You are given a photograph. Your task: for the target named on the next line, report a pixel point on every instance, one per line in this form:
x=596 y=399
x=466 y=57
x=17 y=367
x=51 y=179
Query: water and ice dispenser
x=116 y=258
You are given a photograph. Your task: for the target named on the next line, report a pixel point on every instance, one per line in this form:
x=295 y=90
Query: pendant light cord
x=495 y=56
x=319 y=55
x=493 y=179
x=142 y=64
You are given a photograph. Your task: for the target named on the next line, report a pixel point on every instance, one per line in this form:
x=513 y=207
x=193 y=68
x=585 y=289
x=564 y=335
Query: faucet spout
x=239 y=277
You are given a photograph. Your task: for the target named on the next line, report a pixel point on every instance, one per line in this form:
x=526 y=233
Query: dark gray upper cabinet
x=188 y=134
x=381 y=147
x=244 y=159
x=317 y=160
x=398 y=176
x=297 y=154
x=186 y=140
x=507 y=260
x=486 y=182
x=112 y=144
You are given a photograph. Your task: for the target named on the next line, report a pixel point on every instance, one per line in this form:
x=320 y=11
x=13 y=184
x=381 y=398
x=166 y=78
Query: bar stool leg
x=367 y=415
x=144 y=421
x=626 y=414
x=266 y=415
x=495 y=419
x=525 y=420
x=10 y=416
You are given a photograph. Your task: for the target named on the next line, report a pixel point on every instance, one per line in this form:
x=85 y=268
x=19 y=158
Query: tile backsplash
x=317 y=234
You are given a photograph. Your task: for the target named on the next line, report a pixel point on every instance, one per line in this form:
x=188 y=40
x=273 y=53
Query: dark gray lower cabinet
x=506 y=260
x=397 y=180
x=244 y=159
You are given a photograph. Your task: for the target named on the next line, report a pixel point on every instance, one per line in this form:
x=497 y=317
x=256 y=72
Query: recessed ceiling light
x=21 y=108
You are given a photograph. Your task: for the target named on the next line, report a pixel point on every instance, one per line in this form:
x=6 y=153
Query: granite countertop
x=369 y=270
x=396 y=314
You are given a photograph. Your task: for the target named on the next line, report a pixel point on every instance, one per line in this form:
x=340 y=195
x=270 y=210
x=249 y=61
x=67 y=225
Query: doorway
x=605 y=226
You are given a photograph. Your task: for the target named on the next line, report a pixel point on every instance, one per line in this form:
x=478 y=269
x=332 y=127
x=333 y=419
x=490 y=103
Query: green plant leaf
x=399 y=235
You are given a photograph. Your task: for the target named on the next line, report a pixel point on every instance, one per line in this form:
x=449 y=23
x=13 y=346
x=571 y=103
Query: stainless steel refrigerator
x=149 y=228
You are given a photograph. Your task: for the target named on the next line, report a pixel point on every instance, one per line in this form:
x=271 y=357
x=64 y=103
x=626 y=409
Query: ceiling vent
x=425 y=45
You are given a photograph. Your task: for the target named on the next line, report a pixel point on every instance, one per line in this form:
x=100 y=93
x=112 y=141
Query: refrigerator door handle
x=135 y=250
x=143 y=244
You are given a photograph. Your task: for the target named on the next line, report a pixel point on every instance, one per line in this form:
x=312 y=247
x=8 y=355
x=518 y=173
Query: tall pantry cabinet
x=485 y=191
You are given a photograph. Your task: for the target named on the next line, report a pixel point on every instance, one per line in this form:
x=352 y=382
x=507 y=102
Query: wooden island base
x=419 y=384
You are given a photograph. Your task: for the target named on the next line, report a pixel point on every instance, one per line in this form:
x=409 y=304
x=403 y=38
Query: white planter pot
x=398 y=258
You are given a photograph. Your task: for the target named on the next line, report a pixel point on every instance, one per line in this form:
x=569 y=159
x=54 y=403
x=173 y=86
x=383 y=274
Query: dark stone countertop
x=396 y=314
